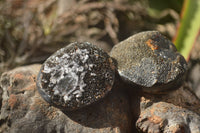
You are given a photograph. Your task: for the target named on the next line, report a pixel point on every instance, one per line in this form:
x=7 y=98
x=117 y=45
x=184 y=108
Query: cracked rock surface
x=24 y=110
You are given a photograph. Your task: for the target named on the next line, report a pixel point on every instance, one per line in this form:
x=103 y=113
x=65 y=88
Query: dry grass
x=32 y=30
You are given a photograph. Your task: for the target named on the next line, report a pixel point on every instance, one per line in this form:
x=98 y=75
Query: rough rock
x=193 y=77
x=76 y=76
x=150 y=60
x=178 y=111
x=24 y=110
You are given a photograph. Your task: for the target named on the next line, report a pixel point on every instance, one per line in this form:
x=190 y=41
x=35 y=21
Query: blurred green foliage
x=189 y=24
x=32 y=30
x=157 y=6
x=189 y=27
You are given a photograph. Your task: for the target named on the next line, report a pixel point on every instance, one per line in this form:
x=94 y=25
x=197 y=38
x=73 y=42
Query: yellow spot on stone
x=151 y=45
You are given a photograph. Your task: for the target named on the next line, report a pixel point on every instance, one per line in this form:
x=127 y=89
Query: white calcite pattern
x=76 y=75
x=73 y=82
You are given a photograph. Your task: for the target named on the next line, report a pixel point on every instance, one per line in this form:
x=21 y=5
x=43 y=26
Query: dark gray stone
x=150 y=60
x=76 y=76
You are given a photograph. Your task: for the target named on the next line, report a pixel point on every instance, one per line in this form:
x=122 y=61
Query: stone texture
x=178 y=111
x=193 y=77
x=122 y=110
x=23 y=109
x=76 y=76
x=150 y=60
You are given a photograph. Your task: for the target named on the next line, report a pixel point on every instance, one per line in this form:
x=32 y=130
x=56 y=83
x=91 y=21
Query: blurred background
x=31 y=30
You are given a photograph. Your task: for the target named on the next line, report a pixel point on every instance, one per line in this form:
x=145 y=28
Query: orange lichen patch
x=151 y=45
x=19 y=76
x=12 y=101
x=155 y=119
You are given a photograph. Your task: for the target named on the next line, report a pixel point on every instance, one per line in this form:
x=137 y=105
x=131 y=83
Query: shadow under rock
x=182 y=97
x=135 y=93
x=112 y=111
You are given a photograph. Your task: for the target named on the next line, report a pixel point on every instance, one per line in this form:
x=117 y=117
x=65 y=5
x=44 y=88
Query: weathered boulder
x=24 y=110
x=178 y=111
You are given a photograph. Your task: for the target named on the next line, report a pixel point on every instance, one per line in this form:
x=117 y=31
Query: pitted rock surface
x=150 y=60
x=75 y=76
x=178 y=111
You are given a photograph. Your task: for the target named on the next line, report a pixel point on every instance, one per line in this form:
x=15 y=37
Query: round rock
x=150 y=60
x=75 y=76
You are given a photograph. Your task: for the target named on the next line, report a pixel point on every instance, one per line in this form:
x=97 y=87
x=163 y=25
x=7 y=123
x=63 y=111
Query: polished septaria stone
x=75 y=76
x=150 y=60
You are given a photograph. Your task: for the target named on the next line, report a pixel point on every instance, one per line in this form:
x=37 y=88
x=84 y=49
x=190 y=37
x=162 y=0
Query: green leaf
x=189 y=27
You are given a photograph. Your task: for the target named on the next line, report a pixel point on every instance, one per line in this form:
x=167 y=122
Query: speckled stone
x=150 y=60
x=75 y=76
